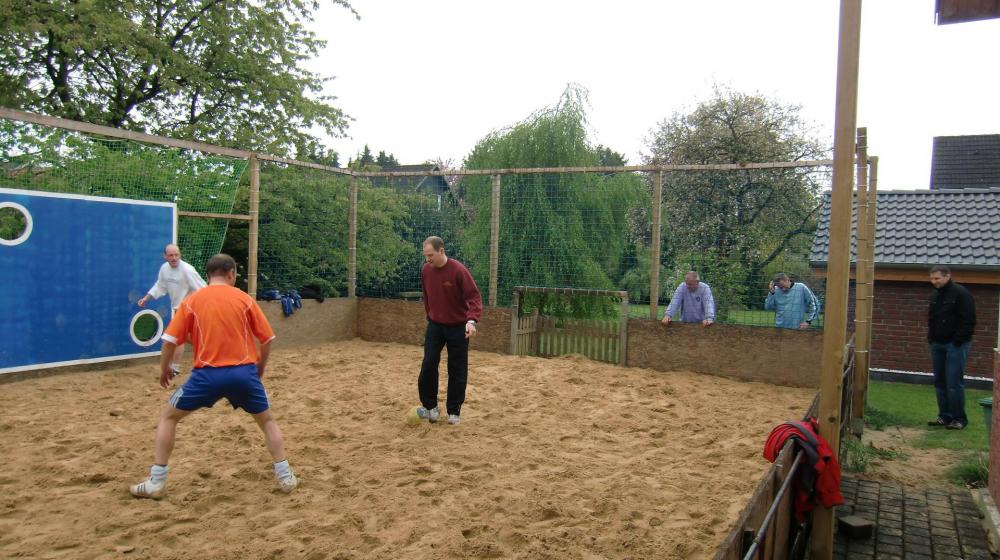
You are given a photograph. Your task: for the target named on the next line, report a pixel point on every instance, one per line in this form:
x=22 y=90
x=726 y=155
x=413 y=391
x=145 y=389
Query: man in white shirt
x=176 y=279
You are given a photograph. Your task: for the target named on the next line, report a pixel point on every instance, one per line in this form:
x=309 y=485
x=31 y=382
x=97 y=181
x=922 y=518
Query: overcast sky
x=428 y=79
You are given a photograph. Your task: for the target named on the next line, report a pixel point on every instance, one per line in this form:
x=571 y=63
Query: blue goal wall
x=69 y=283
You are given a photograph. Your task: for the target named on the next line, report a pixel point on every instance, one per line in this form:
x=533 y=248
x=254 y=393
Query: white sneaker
x=431 y=415
x=147 y=489
x=288 y=483
x=453 y=419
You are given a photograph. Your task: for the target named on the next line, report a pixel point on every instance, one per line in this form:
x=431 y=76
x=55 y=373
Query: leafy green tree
x=304 y=233
x=565 y=230
x=749 y=217
x=228 y=73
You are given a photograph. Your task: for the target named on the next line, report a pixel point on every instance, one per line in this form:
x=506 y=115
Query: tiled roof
x=961 y=162
x=959 y=228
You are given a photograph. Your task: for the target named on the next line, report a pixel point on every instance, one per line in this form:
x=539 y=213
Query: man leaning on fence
x=793 y=303
x=694 y=300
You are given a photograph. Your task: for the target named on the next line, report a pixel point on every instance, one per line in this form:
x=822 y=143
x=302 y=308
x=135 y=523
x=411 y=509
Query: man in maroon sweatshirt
x=453 y=306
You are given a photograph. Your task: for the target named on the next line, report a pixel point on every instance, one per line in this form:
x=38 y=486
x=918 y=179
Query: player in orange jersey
x=221 y=322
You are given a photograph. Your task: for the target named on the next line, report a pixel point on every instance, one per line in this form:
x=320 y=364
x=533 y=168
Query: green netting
x=737 y=229
x=45 y=159
x=303 y=230
x=395 y=215
x=566 y=230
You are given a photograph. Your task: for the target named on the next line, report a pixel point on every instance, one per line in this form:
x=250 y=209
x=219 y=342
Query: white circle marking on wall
x=28 y=224
x=159 y=328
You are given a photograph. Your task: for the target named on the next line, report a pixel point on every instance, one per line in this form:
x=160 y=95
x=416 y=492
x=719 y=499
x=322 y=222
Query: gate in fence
x=534 y=334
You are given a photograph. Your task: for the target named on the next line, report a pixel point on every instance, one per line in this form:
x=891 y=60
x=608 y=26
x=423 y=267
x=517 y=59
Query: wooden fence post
x=654 y=250
x=352 y=240
x=862 y=286
x=494 y=241
x=838 y=261
x=252 y=239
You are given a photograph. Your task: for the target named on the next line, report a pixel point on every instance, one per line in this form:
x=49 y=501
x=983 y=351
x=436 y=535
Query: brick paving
x=911 y=524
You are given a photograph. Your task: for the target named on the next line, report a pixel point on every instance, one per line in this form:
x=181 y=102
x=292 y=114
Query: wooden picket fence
x=539 y=335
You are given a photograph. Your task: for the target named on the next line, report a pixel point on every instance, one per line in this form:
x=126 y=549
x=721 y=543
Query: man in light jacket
x=177 y=279
x=793 y=303
x=694 y=300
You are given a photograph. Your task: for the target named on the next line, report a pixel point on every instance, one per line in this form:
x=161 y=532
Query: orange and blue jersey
x=221 y=322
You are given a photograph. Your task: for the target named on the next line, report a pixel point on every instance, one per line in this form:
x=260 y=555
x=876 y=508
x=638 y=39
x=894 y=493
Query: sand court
x=560 y=458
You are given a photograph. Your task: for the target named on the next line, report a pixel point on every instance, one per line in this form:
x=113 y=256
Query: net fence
x=735 y=228
x=40 y=158
x=594 y=230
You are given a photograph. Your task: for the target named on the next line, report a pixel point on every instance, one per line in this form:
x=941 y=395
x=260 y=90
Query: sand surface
x=915 y=467
x=560 y=458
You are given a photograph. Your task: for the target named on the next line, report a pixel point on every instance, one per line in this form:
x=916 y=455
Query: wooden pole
x=838 y=262
x=654 y=250
x=254 y=226
x=495 y=240
x=872 y=222
x=862 y=286
x=623 y=332
x=515 y=320
x=352 y=240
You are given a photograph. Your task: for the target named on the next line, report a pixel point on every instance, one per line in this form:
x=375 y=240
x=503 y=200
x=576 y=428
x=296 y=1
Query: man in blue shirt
x=793 y=303
x=694 y=300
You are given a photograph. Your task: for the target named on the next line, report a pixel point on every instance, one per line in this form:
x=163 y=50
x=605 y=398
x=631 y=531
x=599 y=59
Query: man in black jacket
x=951 y=321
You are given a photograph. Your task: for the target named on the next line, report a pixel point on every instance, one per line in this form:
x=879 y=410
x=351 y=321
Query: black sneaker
x=938 y=422
x=956 y=425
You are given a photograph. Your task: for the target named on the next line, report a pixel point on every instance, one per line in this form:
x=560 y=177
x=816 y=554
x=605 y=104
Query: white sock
x=176 y=368
x=282 y=470
x=158 y=474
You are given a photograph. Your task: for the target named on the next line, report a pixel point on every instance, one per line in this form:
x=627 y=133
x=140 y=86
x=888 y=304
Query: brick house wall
x=899 y=326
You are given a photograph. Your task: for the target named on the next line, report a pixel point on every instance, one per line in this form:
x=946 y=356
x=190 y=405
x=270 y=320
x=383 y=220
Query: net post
x=352 y=240
x=515 y=315
x=838 y=261
x=654 y=250
x=254 y=226
x=872 y=221
x=623 y=331
x=494 y=240
x=862 y=286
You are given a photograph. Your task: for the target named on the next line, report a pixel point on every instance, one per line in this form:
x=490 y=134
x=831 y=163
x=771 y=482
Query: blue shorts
x=239 y=384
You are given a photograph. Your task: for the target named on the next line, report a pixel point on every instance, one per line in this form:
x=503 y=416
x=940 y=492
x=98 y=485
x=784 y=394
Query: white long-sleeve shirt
x=177 y=282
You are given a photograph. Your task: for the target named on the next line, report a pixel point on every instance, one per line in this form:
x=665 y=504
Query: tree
x=565 y=230
x=735 y=223
x=366 y=158
x=222 y=72
x=384 y=160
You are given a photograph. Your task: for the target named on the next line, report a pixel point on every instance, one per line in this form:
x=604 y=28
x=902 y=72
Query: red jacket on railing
x=819 y=479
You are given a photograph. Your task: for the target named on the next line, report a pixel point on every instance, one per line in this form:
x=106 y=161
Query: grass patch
x=905 y=404
x=973 y=471
x=858 y=456
x=737 y=316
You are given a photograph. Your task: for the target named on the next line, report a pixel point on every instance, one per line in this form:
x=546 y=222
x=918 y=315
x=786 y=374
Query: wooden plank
x=515 y=323
x=111 y=132
x=783 y=519
x=603 y=169
x=835 y=317
x=190 y=214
